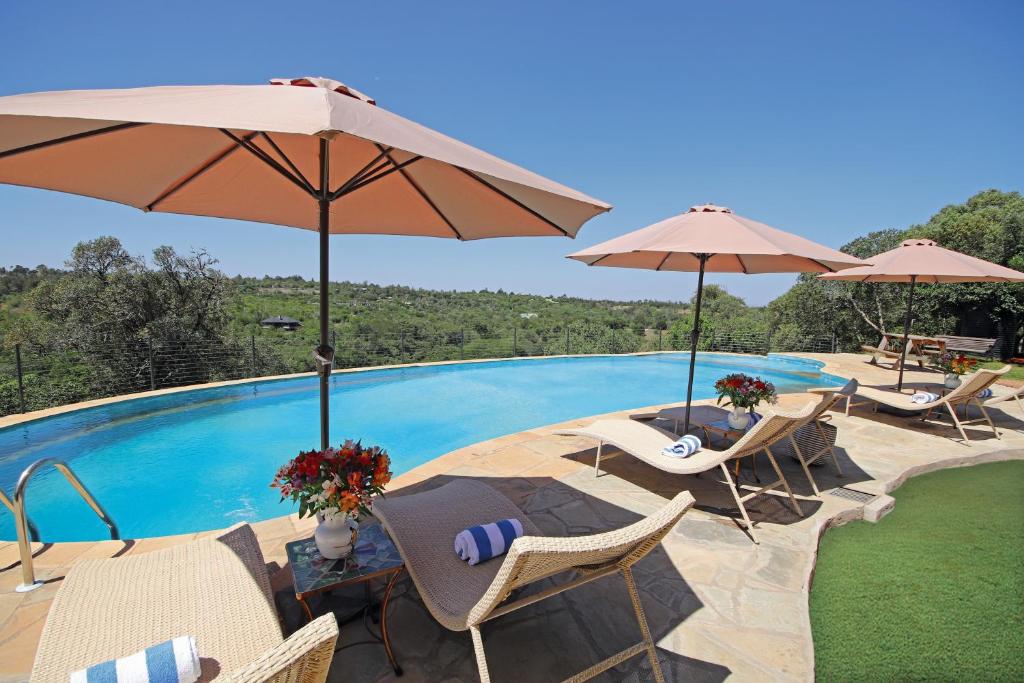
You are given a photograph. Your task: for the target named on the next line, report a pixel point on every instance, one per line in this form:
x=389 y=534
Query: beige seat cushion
x=423 y=527
x=111 y=608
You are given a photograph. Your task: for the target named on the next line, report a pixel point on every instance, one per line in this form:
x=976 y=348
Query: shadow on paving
x=546 y=641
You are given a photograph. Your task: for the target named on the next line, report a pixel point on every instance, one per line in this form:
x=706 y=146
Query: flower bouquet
x=743 y=393
x=336 y=485
x=953 y=365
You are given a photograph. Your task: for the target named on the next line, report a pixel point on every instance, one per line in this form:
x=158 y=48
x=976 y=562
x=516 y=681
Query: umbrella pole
x=694 y=337
x=906 y=331
x=325 y=234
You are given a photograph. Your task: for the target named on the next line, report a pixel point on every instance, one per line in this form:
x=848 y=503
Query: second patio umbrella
x=711 y=238
x=922 y=260
x=308 y=152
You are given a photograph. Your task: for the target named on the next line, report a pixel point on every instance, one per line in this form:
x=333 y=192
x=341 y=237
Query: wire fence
x=35 y=377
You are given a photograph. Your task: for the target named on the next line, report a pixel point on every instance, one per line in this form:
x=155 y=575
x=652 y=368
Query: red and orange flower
x=338 y=480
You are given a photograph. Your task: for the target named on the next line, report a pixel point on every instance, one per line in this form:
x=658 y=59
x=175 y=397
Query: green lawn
x=1016 y=371
x=933 y=592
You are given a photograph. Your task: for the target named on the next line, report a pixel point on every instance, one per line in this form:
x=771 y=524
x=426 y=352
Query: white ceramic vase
x=952 y=381
x=335 y=536
x=739 y=418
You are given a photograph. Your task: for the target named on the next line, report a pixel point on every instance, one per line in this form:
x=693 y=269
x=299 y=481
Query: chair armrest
x=305 y=657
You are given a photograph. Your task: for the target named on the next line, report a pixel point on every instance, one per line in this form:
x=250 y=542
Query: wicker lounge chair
x=423 y=527
x=215 y=589
x=964 y=395
x=816 y=443
x=645 y=442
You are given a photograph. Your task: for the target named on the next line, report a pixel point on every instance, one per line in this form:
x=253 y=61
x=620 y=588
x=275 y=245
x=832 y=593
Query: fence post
x=835 y=343
x=659 y=339
x=401 y=348
x=768 y=343
x=21 y=377
x=567 y=340
x=152 y=369
x=252 y=340
x=515 y=340
x=462 y=345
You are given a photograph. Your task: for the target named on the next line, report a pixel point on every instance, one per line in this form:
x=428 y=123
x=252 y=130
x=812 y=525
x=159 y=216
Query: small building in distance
x=281 y=322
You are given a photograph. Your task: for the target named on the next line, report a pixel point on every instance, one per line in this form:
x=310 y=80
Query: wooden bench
x=978 y=346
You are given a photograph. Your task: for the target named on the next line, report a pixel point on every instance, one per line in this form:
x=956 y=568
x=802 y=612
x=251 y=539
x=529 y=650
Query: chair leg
x=803 y=464
x=1020 y=404
x=641 y=618
x=597 y=460
x=831 y=449
x=988 y=419
x=739 y=503
x=782 y=480
x=956 y=421
x=481 y=658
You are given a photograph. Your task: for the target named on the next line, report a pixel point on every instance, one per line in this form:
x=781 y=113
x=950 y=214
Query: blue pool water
x=203 y=459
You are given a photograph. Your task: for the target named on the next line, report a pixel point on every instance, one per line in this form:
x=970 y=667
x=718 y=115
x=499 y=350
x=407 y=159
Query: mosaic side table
x=373 y=556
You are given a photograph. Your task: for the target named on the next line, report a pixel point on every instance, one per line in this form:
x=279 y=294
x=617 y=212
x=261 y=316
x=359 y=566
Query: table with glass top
x=374 y=556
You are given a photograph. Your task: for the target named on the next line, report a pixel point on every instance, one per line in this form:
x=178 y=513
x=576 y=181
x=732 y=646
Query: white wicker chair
x=423 y=527
x=216 y=589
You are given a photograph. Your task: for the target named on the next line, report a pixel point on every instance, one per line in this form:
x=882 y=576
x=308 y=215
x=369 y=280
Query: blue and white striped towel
x=985 y=393
x=924 y=397
x=172 y=661
x=683 y=448
x=754 y=419
x=484 y=541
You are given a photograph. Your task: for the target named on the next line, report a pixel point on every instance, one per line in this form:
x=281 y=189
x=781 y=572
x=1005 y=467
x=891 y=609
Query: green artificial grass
x=934 y=591
x=1016 y=371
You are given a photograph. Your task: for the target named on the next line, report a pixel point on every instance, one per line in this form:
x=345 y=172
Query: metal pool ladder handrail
x=28 y=576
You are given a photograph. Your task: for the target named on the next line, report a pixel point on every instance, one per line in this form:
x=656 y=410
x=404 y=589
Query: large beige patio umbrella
x=310 y=153
x=922 y=260
x=711 y=238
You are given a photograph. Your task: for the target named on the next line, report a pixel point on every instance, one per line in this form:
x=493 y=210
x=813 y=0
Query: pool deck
x=719 y=605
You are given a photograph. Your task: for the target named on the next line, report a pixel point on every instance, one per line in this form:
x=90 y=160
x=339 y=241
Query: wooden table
x=374 y=555
x=711 y=420
x=919 y=348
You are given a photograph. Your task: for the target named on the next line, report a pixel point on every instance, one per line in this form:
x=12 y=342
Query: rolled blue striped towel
x=172 y=661
x=754 y=419
x=985 y=393
x=924 y=397
x=482 y=542
x=683 y=448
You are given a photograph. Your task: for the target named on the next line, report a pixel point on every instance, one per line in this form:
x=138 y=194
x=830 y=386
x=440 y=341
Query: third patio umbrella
x=922 y=260
x=307 y=152
x=713 y=238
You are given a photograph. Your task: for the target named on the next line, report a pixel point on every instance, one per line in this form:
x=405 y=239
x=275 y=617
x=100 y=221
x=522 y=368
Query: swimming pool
x=203 y=459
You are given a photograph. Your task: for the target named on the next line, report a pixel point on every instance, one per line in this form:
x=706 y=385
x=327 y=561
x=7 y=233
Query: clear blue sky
x=827 y=119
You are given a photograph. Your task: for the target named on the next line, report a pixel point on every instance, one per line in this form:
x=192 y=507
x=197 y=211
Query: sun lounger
x=215 y=589
x=966 y=394
x=644 y=442
x=816 y=448
x=423 y=527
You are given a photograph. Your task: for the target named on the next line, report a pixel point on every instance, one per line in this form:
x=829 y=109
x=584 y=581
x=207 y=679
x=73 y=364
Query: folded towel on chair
x=684 y=447
x=985 y=393
x=924 y=397
x=754 y=419
x=172 y=661
x=484 y=541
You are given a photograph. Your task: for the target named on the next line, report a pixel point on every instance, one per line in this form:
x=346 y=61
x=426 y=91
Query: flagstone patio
x=719 y=605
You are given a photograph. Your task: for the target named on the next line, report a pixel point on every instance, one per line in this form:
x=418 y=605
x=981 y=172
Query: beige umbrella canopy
x=713 y=238
x=922 y=260
x=309 y=152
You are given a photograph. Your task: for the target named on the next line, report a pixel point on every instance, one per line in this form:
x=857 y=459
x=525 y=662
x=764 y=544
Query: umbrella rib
x=421 y=193
x=667 y=254
x=268 y=160
x=598 y=260
x=373 y=178
x=360 y=174
x=180 y=184
x=515 y=201
x=286 y=160
x=827 y=269
x=743 y=266
x=70 y=138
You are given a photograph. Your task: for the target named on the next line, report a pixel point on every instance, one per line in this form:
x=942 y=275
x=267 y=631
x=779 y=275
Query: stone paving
x=719 y=605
